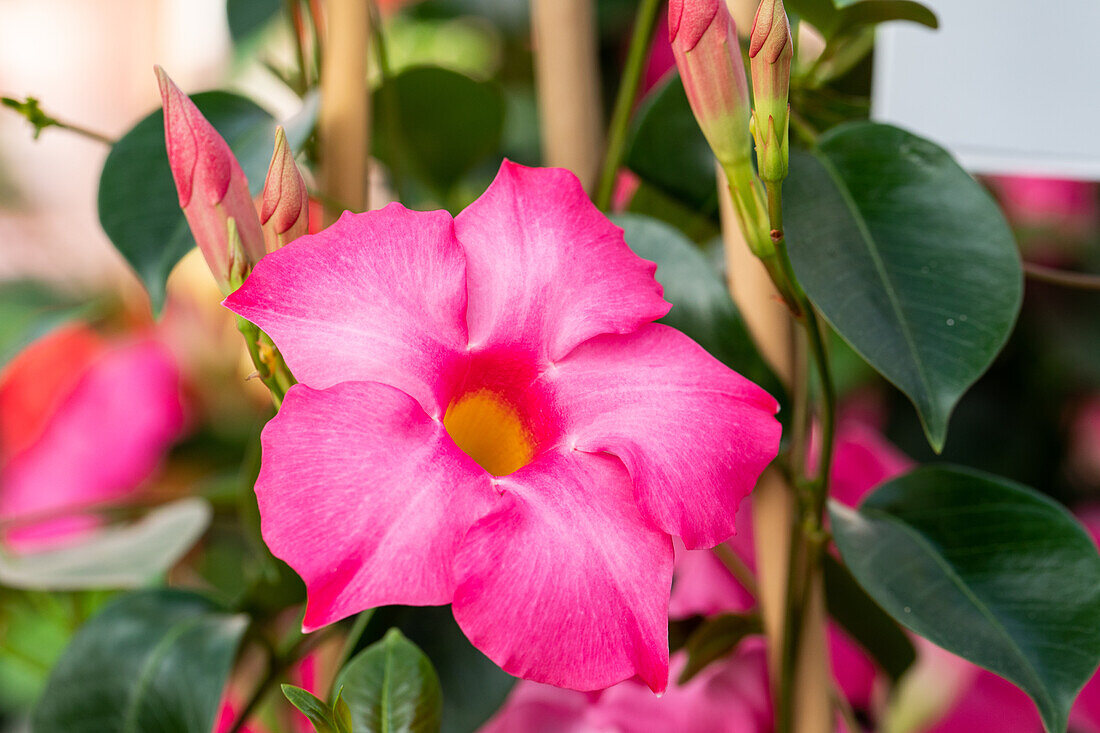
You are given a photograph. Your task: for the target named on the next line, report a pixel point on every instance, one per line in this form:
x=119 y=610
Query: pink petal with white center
x=366 y=497
x=694 y=435
x=564 y=582
x=100 y=444
x=379 y=296
x=547 y=270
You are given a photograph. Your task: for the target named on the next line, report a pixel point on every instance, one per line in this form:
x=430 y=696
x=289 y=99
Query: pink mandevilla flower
x=489 y=418
x=82 y=421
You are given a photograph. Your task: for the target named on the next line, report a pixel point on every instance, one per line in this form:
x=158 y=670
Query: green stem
x=294 y=10
x=644 y=24
x=389 y=98
x=278 y=380
x=806 y=529
x=278 y=665
x=737 y=568
x=1063 y=278
x=351 y=642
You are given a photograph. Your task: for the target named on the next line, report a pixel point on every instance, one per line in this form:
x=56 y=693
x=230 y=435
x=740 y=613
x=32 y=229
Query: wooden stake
x=567 y=76
x=344 y=122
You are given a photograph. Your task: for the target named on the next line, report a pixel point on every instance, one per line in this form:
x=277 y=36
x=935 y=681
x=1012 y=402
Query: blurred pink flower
x=1046 y=201
x=1055 y=216
x=1084 y=437
x=82 y=421
x=489 y=418
x=727 y=697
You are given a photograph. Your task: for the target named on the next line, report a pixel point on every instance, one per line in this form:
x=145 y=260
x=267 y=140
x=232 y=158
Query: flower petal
x=564 y=582
x=379 y=296
x=366 y=497
x=547 y=270
x=98 y=445
x=693 y=434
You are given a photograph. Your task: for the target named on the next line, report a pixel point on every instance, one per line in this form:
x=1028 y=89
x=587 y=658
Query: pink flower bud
x=285 y=210
x=704 y=42
x=770 y=52
x=211 y=185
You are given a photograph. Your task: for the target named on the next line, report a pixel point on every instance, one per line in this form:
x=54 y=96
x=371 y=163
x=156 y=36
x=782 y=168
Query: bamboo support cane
x=567 y=77
x=344 y=122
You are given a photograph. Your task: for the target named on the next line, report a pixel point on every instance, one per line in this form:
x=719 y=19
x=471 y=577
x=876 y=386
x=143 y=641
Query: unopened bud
x=770 y=52
x=239 y=266
x=704 y=42
x=284 y=214
x=212 y=187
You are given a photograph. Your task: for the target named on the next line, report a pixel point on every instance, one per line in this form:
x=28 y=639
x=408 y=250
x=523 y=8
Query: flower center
x=490 y=431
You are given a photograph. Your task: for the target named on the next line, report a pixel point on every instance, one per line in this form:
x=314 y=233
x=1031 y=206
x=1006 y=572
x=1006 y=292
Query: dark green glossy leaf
x=446 y=123
x=246 y=17
x=866 y=622
x=153 y=661
x=667 y=149
x=116 y=557
x=987 y=569
x=716 y=638
x=701 y=304
x=28 y=311
x=311 y=706
x=907 y=257
x=473 y=686
x=391 y=687
x=138 y=205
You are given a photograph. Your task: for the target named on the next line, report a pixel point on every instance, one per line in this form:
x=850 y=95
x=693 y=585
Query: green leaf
x=445 y=122
x=835 y=18
x=154 y=661
x=341 y=714
x=701 y=304
x=246 y=17
x=391 y=687
x=716 y=638
x=311 y=706
x=667 y=149
x=29 y=311
x=907 y=257
x=473 y=686
x=821 y=14
x=986 y=568
x=872 y=12
x=115 y=557
x=866 y=622
x=138 y=205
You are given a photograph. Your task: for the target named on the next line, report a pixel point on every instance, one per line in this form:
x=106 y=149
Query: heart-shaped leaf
x=987 y=569
x=138 y=205
x=154 y=661
x=114 y=557
x=908 y=258
x=391 y=687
